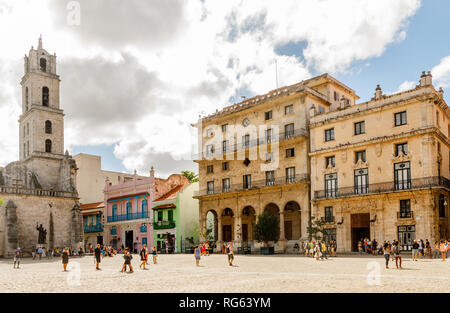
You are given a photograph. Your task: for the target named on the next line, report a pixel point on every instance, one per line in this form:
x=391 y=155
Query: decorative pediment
x=329 y=170
x=401 y=157
x=360 y=164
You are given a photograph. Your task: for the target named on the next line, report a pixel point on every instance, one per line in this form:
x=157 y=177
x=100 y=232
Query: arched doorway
x=248 y=221
x=292 y=221
x=212 y=230
x=227 y=219
x=273 y=209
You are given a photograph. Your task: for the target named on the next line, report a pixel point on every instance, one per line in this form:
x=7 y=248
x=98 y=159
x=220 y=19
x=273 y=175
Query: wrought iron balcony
x=93 y=228
x=419 y=183
x=243 y=145
x=328 y=219
x=164 y=224
x=128 y=217
x=405 y=214
x=113 y=231
x=280 y=181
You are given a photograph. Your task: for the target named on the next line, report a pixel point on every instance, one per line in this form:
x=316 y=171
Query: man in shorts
x=17 y=257
x=230 y=254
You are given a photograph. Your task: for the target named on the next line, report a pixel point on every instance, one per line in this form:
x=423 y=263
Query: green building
x=176 y=219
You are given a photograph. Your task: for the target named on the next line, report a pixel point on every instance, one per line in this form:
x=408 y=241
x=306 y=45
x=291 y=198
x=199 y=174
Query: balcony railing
x=128 y=217
x=328 y=219
x=418 y=183
x=242 y=145
x=164 y=224
x=255 y=185
x=405 y=214
x=113 y=231
x=93 y=228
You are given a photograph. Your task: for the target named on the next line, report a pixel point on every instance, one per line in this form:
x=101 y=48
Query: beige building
x=255 y=158
x=380 y=169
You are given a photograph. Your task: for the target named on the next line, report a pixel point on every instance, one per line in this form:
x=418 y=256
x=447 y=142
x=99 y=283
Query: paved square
x=178 y=273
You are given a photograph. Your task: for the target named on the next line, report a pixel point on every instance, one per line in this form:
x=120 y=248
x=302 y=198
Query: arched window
x=26 y=99
x=45 y=96
x=48 y=127
x=43 y=64
x=145 y=208
x=48 y=146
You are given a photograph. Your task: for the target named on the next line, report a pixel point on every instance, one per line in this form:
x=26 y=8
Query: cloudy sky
x=135 y=74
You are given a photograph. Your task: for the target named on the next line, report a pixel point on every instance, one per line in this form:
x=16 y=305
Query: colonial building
x=90 y=185
x=380 y=169
x=40 y=188
x=93 y=224
x=176 y=218
x=129 y=215
x=254 y=158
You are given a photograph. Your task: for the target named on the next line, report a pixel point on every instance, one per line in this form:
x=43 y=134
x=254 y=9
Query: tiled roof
x=96 y=205
x=172 y=192
x=165 y=206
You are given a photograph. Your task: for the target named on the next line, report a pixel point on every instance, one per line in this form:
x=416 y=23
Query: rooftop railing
x=254 y=185
x=419 y=183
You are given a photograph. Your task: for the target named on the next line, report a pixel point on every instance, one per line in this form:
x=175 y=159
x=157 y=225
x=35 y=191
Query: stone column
x=202 y=228
x=282 y=235
x=12 y=230
x=219 y=231
x=237 y=230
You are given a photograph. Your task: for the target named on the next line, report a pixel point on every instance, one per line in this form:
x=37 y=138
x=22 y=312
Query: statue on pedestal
x=42 y=234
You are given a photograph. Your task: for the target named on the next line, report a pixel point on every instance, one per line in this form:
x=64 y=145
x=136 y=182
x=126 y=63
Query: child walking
x=65 y=258
x=197 y=255
x=127 y=257
x=17 y=257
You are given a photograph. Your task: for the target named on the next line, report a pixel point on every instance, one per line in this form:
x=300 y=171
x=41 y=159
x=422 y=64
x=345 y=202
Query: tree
x=193 y=178
x=267 y=228
x=315 y=228
x=2 y=202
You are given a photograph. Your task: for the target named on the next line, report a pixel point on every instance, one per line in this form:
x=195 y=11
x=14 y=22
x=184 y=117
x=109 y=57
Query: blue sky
x=131 y=90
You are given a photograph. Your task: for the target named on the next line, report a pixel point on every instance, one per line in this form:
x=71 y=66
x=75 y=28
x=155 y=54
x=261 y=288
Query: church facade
x=42 y=207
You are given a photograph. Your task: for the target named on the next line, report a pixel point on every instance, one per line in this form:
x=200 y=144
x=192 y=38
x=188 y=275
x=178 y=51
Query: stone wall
x=32 y=210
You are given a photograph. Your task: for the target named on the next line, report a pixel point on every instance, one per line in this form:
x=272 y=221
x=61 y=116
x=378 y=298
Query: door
x=288 y=230
x=129 y=239
x=245 y=232
x=360 y=228
x=100 y=240
x=226 y=233
x=406 y=236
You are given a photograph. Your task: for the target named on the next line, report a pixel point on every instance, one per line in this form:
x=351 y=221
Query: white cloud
x=441 y=73
x=197 y=56
x=406 y=85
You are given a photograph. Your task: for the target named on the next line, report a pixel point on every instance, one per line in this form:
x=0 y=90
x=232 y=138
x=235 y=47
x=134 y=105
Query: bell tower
x=42 y=121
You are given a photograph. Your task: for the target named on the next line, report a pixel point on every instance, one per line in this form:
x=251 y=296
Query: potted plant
x=267 y=229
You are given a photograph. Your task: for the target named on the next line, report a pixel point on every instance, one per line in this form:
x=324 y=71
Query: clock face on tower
x=245 y=122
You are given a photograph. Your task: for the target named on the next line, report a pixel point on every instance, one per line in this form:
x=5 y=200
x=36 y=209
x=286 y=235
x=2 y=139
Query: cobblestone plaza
x=277 y=274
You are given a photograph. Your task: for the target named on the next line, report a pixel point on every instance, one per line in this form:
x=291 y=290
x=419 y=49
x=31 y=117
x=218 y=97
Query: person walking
x=436 y=250
x=65 y=258
x=415 y=250
x=154 y=254
x=443 y=249
x=324 y=251
x=127 y=257
x=97 y=256
x=360 y=247
x=197 y=255
x=39 y=252
x=230 y=254
x=386 y=253
x=143 y=255
x=397 y=254
x=17 y=257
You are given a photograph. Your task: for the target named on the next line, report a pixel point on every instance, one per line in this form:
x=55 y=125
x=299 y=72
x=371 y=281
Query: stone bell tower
x=42 y=120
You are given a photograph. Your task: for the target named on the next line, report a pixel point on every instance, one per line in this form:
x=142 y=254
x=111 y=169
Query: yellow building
x=380 y=169
x=254 y=158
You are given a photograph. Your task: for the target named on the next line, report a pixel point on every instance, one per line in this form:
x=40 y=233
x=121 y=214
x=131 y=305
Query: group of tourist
x=320 y=249
x=421 y=249
x=369 y=246
x=227 y=248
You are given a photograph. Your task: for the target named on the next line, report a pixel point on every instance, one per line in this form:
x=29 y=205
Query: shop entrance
x=360 y=228
x=129 y=239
